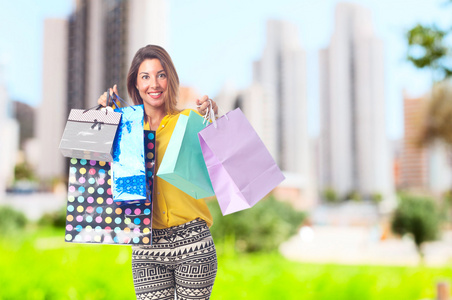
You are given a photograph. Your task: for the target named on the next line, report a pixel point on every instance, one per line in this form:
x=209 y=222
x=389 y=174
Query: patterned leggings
x=182 y=259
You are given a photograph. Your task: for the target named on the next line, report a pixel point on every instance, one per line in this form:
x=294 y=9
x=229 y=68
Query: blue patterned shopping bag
x=129 y=174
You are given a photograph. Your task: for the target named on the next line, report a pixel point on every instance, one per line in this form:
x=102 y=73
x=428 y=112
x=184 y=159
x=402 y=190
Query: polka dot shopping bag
x=92 y=215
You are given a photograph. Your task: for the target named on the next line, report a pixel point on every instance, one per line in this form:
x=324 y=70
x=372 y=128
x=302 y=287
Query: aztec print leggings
x=182 y=259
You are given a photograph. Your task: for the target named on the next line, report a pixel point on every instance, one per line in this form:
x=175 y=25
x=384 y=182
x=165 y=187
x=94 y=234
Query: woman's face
x=152 y=82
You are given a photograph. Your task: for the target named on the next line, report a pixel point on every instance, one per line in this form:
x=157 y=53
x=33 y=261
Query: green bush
x=376 y=197
x=24 y=171
x=11 y=220
x=417 y=216
x=353 y=196
x=55 y=219
x=261 y=228
x=330 y=195
x=446 y=206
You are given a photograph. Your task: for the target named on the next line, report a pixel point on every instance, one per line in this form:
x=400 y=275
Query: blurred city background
x=352 y=99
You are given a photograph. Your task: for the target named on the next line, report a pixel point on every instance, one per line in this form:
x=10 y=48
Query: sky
x=214 y=43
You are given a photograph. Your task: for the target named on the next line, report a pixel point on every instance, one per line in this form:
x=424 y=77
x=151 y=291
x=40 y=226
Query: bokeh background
x=352 y=99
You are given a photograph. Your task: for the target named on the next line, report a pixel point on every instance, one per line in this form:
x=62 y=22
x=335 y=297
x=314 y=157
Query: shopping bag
x=149 y=151
x=128 y=166
x=92 y=215
x=241 y=169
x=89 y=134
x=183 y=163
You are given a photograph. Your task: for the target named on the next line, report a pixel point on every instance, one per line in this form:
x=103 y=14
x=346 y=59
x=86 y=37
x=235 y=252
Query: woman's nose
x=154 y=83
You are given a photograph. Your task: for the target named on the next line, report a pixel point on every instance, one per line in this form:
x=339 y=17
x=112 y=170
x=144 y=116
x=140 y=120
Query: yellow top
x=171 y=206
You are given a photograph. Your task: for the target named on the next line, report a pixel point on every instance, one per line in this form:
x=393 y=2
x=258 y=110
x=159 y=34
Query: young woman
x=182 y=257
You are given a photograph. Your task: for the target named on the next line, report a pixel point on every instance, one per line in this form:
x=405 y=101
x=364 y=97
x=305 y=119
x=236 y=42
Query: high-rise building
x=354 y=147
x=104 y=35
x=85 y=55
x=9 y=138
x=275 y=104
x=52 y=111
x=414 y=158
x=422 y=167
x=281 y=72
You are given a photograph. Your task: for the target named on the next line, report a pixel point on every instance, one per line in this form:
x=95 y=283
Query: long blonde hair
x=157 y=52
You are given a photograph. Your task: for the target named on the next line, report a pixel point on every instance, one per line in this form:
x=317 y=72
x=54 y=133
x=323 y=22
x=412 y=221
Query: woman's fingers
x=102 y=99
x=204 y=103
x=202 y=106
x=215 y=107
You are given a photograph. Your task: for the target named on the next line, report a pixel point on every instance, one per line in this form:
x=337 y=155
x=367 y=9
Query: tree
x=428 y=48
x=419 y=217
x=438 y=116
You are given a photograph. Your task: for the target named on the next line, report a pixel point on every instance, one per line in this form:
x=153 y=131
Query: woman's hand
x=103 y=98
x=204 y=103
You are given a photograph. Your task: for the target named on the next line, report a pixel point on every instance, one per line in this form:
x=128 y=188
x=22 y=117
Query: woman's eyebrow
x=144 y=72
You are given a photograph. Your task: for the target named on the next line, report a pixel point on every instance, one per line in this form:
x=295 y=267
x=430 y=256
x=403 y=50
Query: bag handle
x=111 y=99
x=97 y=107
x=114 y=99
x=210 y=114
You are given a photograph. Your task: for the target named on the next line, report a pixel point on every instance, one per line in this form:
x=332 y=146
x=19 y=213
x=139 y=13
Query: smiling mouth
x=155 y=95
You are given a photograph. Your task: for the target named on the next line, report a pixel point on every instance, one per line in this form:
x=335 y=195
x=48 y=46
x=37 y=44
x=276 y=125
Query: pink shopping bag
x=241 y=169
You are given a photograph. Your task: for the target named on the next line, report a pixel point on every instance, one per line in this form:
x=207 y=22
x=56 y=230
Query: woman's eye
x=162 y=75
x=145 y=77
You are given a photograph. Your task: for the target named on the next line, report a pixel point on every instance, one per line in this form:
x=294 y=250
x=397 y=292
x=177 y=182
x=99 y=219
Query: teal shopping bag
x=183 y=163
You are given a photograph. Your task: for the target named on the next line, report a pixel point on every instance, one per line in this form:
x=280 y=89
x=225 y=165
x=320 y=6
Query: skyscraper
x=103 y=38
x=354 y=146
x=275 y=104
x=85 y=55
x=9 y=138
x=413 y=162
x=52 y=111
x=281 y=72
x=422 y=167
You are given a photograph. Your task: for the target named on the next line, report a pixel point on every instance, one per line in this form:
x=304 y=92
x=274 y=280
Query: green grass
x=269 y=276
x=40 y=265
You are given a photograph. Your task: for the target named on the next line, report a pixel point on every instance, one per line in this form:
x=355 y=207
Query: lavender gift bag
x=241 y=169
